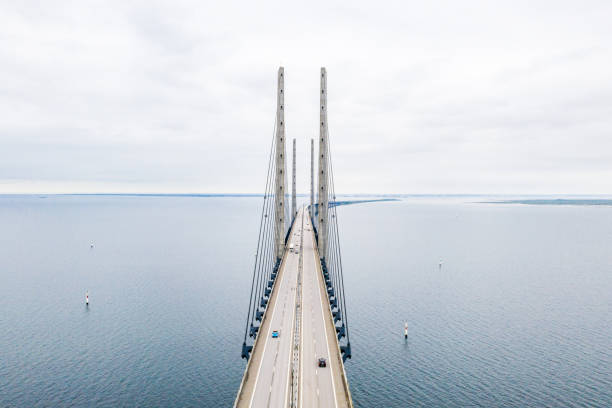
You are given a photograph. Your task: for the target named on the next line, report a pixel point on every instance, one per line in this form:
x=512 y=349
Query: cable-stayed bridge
x=296 y=337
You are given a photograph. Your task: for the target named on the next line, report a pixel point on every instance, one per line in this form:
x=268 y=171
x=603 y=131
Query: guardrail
x=247 y=370
x=345 y=386
x=295 y=369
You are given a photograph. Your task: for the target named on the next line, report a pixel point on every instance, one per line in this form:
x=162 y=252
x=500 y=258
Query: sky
x=436 y=97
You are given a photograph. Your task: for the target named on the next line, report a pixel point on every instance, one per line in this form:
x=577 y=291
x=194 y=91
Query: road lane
x=318 y=388
x=271 y=386
x=267 y=381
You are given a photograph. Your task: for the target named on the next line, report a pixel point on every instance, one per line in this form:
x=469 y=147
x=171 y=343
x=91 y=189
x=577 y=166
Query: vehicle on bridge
x=307 y=288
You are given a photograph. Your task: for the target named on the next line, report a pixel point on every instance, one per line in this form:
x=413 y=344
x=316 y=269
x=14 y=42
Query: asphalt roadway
x=267 y=382
x=317 y=385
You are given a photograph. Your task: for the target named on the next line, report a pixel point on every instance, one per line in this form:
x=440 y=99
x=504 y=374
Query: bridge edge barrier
x=345 y=385
x=245 y=376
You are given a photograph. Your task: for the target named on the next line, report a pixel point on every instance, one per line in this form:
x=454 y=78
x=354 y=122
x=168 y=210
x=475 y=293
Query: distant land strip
x=558 y=201
x=212 y=195
x=164 y=194
x=346 y=202
x=349 y=202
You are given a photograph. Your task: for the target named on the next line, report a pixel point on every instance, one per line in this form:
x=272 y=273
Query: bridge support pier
x=346 y=352
x=246 y=351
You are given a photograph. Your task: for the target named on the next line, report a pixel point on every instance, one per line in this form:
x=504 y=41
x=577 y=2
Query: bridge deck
x=267 y=379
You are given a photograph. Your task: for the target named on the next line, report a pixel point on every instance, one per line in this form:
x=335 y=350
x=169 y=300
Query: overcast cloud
x=424 y=97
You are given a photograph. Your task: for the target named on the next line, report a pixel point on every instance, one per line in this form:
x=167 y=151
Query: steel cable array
x=266 y=263
x=335 y=265
x=332 y=264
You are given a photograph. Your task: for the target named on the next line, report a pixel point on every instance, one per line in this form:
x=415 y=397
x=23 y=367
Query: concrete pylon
x=281 y=179
x=311 y=178
x=323 y=189
x=293 y=203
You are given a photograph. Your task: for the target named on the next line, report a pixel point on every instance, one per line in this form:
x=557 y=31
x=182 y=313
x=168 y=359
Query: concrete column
x=311 y=178
x=293 y=203
x=281 y=183
x=322 y=191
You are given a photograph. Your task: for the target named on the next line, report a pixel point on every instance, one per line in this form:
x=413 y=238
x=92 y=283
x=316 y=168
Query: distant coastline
x=348 y=202
x=354 y=198
x=558 y=201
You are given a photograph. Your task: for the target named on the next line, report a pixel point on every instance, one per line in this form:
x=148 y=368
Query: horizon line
x=159 y=194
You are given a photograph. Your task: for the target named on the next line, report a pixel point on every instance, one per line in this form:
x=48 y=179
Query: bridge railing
x=340 y=354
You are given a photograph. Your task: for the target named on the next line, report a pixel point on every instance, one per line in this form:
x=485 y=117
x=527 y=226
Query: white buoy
x=406 y=330
x=87 y=298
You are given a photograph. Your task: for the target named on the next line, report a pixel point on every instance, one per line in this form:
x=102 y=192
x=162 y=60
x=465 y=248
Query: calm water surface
x=520 y=314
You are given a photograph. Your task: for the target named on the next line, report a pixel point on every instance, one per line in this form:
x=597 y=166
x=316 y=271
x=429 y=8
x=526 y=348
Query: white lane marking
x=307 y=349
x=301 y=391
x=267 y=339
x=326 y=339
x=289 y=360
x=310 y=281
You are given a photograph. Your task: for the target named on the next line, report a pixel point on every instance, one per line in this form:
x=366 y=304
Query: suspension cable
x=260 y=233
x=337 y=238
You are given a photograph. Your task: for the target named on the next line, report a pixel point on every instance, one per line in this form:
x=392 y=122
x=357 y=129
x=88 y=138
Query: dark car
x=322 y=362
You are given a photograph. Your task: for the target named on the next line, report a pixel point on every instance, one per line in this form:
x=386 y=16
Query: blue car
x=275 y=334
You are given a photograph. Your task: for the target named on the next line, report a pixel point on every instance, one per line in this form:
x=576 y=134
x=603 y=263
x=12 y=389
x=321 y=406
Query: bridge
x=296 y=337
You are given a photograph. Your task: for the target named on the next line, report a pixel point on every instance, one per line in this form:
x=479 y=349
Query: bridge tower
x=281 y=184
x=323 y=188
x=276 y=284
x=293 y=204
x=311 y=178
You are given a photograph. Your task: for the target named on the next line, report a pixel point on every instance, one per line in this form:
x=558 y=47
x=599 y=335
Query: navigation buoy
x=406 y=330
x=87 y=298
